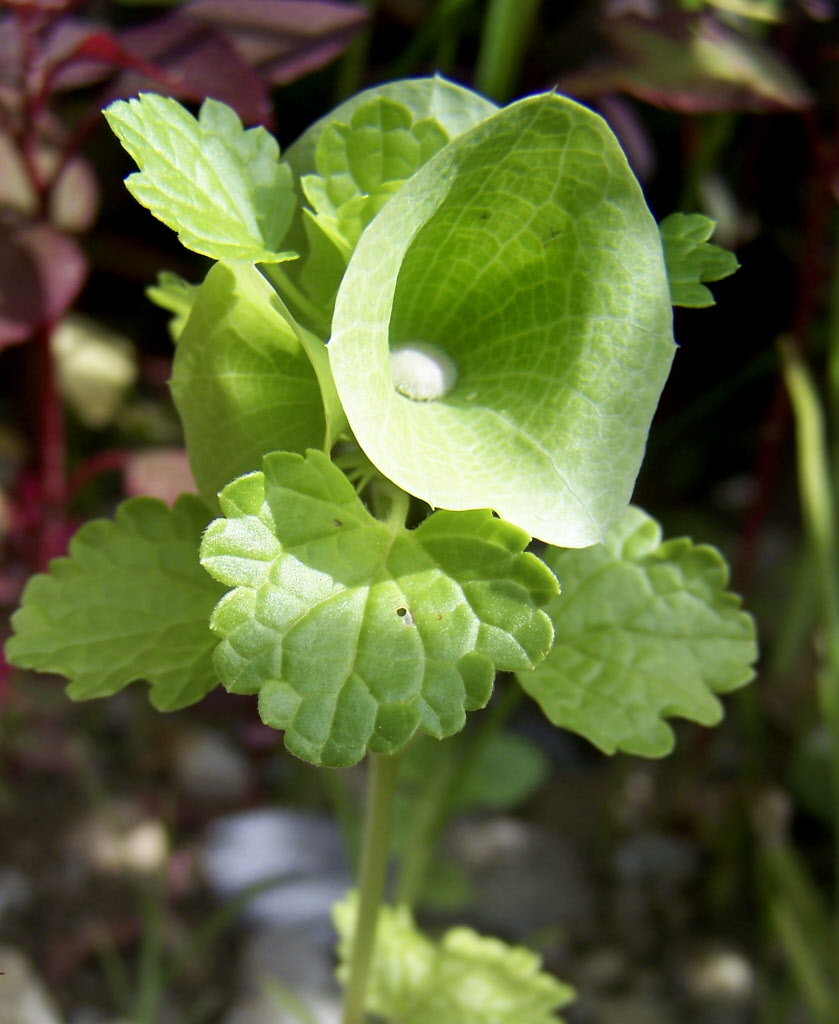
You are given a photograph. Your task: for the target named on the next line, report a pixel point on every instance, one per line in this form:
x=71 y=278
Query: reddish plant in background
x=232 y=51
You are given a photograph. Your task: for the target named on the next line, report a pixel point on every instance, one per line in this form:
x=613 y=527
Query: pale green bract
x=221 y=187
x=644 y=630
x=356 y=633
x=691 y=258
x=362 y=164
x=524 y=252
x=242 y=381
x=445 y=107
x=463 y=978
x=130 y=602
x=452 y=107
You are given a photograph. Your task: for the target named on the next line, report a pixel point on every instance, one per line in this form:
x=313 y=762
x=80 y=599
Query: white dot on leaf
x=422 y=372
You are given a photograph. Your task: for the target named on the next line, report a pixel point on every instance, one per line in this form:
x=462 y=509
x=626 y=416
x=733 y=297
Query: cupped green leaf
x=524 y=255
x=691 y=258
x=242 y=381
x=441 y=108
x=354 y=632
x=130 y=602
x=644 y=630
x=221 y=187
x=463 y=977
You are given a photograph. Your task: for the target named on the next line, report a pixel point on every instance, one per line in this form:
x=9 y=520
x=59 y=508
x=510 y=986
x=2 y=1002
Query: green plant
x=804 y=918
x=497 y=299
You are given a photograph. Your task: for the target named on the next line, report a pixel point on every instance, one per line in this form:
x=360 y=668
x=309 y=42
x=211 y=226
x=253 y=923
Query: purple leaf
x=692 y=64
x=197 y=61
x=283 y=39
x=58 y=48
x=41 y=273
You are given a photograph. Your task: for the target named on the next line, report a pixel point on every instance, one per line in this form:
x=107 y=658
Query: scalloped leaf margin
x=645 y=630
x=355 y=632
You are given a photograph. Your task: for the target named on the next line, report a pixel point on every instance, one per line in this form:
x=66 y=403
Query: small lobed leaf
x=446 y=107
x=221 y=187
x=356 y=633
x=130 y=602
x=644 y=630
x=176 y=296
x=362 y=163
x=692 y=259
x=463 y=977
x=452 y=107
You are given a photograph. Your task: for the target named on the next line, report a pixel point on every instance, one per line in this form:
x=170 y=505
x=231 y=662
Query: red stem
x=52 y=477
x=112 y=460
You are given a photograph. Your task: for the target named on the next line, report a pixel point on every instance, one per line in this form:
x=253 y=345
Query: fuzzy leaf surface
x=221 y=187
x=692 y=259
x=131 y=602
x=524 y=252
x=644 y=630
x=463 y=977
x=356 y=633
x=241 y=380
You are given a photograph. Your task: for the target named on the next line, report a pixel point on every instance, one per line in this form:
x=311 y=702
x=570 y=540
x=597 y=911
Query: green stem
x=819 y=514
x=375 y=851
x=390 y=503
x=442 y=25
x=833 y=350
x=150 y=969
x=424 y=827
x=508 y=25
x=286 y=288
x=439 y=801
x=353 y=67
x=799 y=950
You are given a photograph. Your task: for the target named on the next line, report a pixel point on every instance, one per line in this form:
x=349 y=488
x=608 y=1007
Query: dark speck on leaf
x=405 y=615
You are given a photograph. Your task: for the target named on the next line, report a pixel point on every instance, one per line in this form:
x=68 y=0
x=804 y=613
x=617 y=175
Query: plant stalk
x=52 y=481
x=353 y=66
x=288 y=290
x=508 y=25
x=819 y=513
x=375 y=850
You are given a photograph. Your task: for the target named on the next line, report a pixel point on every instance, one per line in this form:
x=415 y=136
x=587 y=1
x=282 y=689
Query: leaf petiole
x=279 y=280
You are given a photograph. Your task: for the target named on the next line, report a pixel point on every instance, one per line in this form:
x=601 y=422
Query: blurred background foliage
x=728 y=107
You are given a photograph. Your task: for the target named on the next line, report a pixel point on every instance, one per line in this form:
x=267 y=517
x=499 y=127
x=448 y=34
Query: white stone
x=23 y=997
x=721 y=974
x=209 y=769
x=301 y=851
